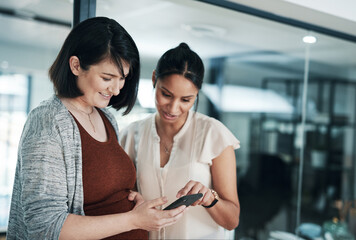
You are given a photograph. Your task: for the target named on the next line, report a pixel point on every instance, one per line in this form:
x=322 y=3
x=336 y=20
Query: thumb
x=132 y=196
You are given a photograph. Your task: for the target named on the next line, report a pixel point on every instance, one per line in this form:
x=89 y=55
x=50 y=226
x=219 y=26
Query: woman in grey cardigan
x=73 y=180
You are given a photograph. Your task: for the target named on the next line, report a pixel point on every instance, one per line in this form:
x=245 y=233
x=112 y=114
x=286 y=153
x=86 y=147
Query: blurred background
x=281 y=75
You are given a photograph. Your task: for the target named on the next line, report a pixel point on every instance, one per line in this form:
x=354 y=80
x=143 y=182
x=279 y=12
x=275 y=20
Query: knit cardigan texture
x=48 y=180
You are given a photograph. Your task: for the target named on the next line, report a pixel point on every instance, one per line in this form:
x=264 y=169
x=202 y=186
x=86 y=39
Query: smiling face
x=175 y=95
x=100 y=82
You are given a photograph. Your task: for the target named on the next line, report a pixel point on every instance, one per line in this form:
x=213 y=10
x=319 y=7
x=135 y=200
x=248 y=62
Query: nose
x=116 y=86
x=174 y=106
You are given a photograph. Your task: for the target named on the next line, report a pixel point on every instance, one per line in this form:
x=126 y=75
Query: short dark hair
x=183 y=61
x=92 y=41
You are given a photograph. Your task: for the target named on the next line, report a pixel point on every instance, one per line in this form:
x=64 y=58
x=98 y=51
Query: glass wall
x=296 y=165
x=31 y=35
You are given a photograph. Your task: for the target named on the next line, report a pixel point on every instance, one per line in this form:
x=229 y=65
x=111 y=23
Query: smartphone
x=185 y=200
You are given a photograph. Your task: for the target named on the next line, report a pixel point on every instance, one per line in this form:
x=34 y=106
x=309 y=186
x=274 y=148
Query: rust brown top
x=108 y=177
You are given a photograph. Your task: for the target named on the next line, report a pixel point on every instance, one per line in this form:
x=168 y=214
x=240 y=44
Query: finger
x=172 y=220
x=173 y=212
x=169 y=217
x=132 y=196
x=157 y=202
x=197 y=202
x=186 y=189
x=197 y=188
x=206 y=200
x=206 y=195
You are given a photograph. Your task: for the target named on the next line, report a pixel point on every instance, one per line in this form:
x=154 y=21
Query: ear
x=153 y=78
x=74 y=65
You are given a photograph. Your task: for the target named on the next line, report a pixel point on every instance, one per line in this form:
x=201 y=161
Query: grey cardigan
x=48 y=180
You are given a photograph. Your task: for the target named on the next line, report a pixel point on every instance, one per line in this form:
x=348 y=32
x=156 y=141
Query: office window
x=13 y=111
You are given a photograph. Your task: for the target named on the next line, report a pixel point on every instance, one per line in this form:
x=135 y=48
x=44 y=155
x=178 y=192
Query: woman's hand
x=226 y=212
x=147 y=216
x=135 y=197
x=143 y=216
x=193 y=187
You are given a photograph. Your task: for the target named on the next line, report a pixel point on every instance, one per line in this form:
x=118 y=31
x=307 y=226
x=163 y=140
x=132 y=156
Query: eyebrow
x=113 y=75
x=190 y=96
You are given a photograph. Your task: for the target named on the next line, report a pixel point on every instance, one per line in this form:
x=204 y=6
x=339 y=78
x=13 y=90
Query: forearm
x=143 y=216
x=96 y=227
x=225 y=213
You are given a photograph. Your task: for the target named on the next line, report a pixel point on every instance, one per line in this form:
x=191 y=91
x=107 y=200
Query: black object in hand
x=185 y=200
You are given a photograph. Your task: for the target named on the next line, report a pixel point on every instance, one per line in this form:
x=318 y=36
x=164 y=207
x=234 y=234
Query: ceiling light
x=228 y=99
x=309 y=39
x=202 y=30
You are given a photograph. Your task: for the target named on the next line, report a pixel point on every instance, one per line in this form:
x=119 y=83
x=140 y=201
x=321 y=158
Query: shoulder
x=48 y=116
x=205 y=122
x=212 y=131
x=48 y=127
x=50 y=106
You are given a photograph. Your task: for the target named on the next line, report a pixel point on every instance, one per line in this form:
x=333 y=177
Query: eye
x=106 y=79
x=186 y=100
x=165 y=94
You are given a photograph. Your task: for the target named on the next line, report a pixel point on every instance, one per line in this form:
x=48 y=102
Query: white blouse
x=199 y=141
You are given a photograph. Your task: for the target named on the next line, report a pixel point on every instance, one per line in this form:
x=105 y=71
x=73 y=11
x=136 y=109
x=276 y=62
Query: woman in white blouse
x=178 y=151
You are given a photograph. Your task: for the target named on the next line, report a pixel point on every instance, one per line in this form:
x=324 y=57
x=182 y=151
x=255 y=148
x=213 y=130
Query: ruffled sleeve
x=213 y=138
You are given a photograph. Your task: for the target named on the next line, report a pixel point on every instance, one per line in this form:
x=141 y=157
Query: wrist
x=131 y=220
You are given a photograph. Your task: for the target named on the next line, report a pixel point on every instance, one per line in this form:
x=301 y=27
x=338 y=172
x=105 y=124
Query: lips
x=169 y=116
x=106 y=96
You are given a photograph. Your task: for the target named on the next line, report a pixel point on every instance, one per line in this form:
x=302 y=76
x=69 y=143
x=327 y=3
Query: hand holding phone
x=185 y=200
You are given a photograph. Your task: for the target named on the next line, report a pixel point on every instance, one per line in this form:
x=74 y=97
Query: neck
x=169 y=130
x=70 y=104
x=81 y=106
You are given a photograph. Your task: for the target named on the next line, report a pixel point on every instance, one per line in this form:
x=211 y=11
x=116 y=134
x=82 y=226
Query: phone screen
x=185 y=200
